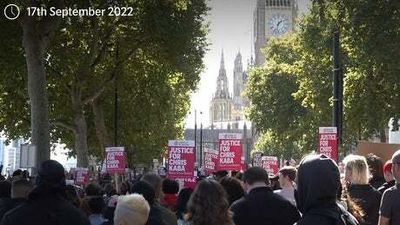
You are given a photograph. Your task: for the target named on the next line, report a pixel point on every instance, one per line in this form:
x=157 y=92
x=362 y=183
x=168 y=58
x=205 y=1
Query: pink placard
x=230 y=151
x=328 y=142
x=270 y=164
x=181 y=159
x=81 y=176
x=210 y=160
x=115 y=160
x=257 y=159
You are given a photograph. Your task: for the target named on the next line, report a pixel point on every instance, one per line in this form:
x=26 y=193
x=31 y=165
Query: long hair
x=209 y=205
x=359 y=168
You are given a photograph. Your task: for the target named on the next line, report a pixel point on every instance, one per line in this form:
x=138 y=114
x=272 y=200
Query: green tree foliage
x=154 y=58
x=291 y=93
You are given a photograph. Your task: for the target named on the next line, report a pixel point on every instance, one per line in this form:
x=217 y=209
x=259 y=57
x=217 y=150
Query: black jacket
x=376 y=182
x=386 y=186
x=155 y=216
x=263 y=207
x=45 y=206
x=369 y=199
x=318 y=182
x=8 y=204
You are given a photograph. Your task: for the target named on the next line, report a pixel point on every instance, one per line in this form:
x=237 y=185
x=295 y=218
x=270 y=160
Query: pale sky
x=231 y=29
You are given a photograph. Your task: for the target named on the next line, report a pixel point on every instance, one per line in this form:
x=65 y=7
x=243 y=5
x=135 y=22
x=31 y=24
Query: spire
x=238 y=63
x=222 y=81
x=222 y=60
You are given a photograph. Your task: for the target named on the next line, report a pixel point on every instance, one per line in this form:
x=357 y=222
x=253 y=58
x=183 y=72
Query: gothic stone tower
x=221 y=104
x=238 y=82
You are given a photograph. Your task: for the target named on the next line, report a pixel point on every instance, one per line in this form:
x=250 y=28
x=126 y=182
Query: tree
x=36 y=36
x=153 y=57
x=370 y=80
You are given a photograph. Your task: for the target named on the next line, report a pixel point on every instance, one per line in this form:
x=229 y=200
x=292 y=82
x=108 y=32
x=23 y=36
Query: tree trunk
x=80 y=132
x=100 y=125
x=34 y=49
x=382 y=135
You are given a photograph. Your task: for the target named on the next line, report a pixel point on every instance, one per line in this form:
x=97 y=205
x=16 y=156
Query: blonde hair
x=358 y=167
x=131 y=210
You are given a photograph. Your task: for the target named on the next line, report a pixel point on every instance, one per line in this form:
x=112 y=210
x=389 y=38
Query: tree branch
x=99 y=91
x=63 y=125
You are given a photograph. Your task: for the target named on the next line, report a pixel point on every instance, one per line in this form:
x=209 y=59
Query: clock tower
x=273 y=18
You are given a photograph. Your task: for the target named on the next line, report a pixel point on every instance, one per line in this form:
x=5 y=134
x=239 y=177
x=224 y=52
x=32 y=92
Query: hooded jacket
x=318 y=184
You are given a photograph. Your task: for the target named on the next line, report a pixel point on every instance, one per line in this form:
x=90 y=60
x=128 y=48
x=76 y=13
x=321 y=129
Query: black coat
x=8 y=204
x=45 y=206
x=317 y=187
x=386 y=186
x=263 y=207
x=369 y=200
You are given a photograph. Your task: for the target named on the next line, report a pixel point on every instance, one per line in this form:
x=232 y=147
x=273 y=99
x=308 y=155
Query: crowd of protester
x=312 y=193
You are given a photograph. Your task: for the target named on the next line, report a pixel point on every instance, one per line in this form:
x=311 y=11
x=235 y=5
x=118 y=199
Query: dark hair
x=209 y=205
x=170 y=186
x=181 y=202
x=220 y=174
x=5 y=189
x=233 y=188
x=51 y=174
x=93 y=189
x=145 y=189
x=289 y=171
x=72 y=195
x=109 y=190
x=239 y=176
x=255 y=174
x=17 y=172
x=375 y=165
x=96 y=204
x=155 y=181
x=125 y=187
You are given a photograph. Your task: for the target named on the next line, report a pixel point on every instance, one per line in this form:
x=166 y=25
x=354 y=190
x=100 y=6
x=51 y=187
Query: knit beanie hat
x=132 y=210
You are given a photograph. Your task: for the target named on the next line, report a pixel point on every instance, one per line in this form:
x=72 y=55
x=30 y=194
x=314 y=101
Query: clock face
x=278 y=24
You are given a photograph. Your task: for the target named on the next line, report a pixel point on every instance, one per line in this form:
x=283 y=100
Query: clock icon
x=278 y=24
x=11 y=11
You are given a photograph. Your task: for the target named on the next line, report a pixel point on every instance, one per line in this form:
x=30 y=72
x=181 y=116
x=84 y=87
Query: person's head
x=274 y=182
x=182 y=200
x=109 y=190
x=221 y=174
x=25 y=174
x=233 y=188
x=17 y=174
x=109 y=210
x=209 y=204
x=155 y=181
x=93 y=189
x=356 y=169
x=387 y=171
x=21 y=188
x=145 y=189
x=318 y=181
x=72 y=195
x=125 y=188
x=5 y=189
x=131 y=209
x=255 y=176
x=375 y=165
x=396 y=166
x=170 y=186
x=287 y=175
x=96 y=204
x=51 y=174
